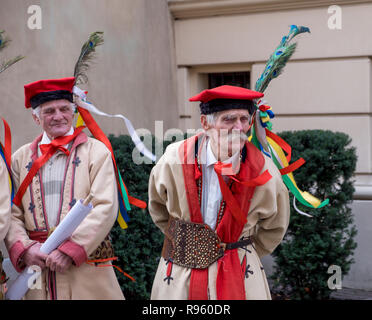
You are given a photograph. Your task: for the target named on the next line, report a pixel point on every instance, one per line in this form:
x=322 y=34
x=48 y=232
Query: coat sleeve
x=270 y=206
x=4 y=200
x=157 y=192
x=17 y=240
x=98 y=223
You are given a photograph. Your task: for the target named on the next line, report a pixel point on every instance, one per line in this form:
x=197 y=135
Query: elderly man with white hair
x=220 y=203
x=50 y=174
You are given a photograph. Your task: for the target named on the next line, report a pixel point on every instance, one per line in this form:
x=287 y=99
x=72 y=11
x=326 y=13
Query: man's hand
x=58 y=261
x=33 y=256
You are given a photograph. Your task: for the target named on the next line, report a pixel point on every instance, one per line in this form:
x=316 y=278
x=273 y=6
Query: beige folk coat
x=268 y=219
x=89 y=170
x=4 y=200
x=4 y=214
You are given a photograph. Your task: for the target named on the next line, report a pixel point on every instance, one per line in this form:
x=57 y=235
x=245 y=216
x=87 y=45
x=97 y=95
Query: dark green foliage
x=311 y=245
x=139 y=246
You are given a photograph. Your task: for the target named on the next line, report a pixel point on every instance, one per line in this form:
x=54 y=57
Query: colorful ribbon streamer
x=124 y=198
x=275 y=147
x=6 y=153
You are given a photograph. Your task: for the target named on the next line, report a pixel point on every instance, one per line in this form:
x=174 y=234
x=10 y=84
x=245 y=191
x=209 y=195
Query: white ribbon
x=299 y=211
x=81 y=102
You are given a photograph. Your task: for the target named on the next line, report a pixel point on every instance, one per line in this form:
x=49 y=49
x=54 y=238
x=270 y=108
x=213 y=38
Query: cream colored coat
x=268 y=219
x=4 y=200
x=89 y=170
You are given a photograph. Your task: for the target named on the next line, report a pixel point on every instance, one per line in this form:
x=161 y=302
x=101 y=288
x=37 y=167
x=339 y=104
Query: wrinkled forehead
x=55 y=104
x=232 y=113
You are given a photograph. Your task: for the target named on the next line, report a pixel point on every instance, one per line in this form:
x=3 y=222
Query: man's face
x=55 y=117
x=228 y=133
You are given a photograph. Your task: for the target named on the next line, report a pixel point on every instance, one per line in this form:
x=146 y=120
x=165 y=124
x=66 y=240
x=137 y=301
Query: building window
x=239 y=79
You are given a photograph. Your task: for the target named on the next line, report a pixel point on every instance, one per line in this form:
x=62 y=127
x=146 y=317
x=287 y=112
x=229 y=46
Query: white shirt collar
x=45 y=139
x=211 y=159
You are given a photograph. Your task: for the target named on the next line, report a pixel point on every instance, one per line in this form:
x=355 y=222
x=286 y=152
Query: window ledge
x=198 y=9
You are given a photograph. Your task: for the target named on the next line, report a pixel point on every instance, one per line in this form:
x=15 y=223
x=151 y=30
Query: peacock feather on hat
x=84 y=107
x=263 y=137
x=4 y=42
x=87 y=55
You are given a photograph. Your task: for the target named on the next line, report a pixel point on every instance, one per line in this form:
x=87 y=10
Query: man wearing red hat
x=221 y=204
x=58 y=168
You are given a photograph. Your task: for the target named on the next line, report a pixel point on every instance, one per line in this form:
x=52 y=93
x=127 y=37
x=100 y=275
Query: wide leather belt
x=195 y=245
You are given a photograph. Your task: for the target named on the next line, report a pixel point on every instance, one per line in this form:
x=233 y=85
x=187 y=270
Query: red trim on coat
x=75 y=251
x=16 y=252
x=230 y=278
x=190 y=175
x=80 y=138
x=39 y=236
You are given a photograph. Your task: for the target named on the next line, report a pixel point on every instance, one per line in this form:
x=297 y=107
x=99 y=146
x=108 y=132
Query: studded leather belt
x=195 y=245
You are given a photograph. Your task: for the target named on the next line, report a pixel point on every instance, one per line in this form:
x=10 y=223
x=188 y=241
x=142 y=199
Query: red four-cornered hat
x=42 y=91
x=226 y=92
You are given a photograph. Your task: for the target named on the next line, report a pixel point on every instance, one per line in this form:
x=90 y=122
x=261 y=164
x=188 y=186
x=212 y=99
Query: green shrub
x=312 y=245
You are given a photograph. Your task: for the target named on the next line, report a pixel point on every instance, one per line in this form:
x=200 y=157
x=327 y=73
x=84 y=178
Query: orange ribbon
x=93 y=263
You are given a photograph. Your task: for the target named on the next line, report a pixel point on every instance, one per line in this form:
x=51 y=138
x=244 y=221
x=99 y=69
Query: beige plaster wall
x=326 y=86
x=133 y=74
x=251 y=37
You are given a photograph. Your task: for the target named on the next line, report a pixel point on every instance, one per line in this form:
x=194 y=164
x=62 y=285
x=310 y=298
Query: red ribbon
x=264 y=108
x=39 y=162
x=230 y=277
x=231 y=202
x=7 y=143
x=44 y=148
x=288 y=149
x=292 y=167
x=199 y=284
x=227 y=170
x=284 y=145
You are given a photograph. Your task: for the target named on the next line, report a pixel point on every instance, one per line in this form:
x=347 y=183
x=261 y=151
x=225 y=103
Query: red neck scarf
x=230 y=278
x=47 y=151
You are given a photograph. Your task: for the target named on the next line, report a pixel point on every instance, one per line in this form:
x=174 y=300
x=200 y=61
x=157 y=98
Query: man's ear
x=203 y=120
x=36 y=119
